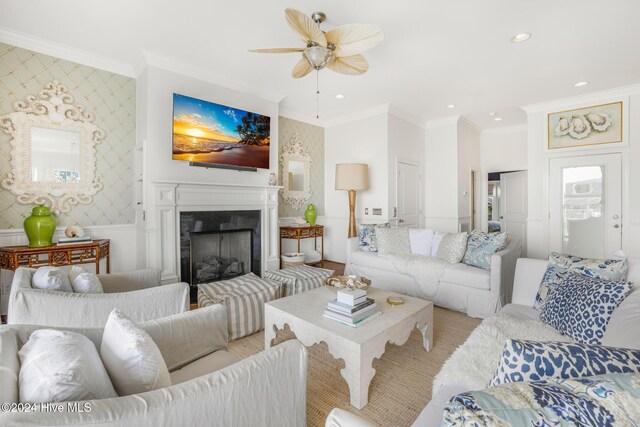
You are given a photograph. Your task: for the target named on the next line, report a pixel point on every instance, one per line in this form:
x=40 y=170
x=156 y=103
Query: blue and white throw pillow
x=534 y=361
x=581 y=306
x=603 y=400
x=367 y=240
x=480 y=247
x=560 y=265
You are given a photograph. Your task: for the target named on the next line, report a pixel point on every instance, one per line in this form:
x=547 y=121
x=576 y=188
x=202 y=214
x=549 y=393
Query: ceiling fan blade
x=305 y=27
x=351 y=65
x=352 y=39
x=278 y=50
x=301 y=69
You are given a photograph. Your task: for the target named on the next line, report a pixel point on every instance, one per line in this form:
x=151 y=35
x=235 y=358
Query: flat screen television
x=209 y=133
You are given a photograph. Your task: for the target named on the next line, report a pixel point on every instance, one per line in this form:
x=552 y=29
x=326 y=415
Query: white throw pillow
x=420 y=240
x=622 y=329
x=132 y=359
x=61 y=366
x=393 y=240
x=452 y=247
x=84 y=282
x=51 y=279
x=435 y=242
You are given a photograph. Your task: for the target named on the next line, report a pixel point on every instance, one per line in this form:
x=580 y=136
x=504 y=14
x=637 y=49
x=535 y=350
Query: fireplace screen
x=219 y=255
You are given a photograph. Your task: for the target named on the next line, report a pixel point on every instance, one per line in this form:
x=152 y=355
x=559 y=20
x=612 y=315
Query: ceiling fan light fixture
x=318 y=56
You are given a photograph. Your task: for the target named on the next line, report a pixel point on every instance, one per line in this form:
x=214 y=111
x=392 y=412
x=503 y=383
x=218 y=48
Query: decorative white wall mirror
x=295 y=169
x=53 y=150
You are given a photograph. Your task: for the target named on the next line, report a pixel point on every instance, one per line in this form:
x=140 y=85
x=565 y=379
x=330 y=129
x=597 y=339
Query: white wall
x=360 y=141
x=468 y=160
x=501 y=149
x=538 y=167
x=156 y=87
x=405 y=144
x=441 y=175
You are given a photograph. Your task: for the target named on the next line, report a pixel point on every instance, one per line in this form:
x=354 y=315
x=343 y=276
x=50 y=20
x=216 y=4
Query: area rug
x=401 y=387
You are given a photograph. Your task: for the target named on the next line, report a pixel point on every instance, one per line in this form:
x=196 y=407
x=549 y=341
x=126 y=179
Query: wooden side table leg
x=98 y=264
x=109 y=263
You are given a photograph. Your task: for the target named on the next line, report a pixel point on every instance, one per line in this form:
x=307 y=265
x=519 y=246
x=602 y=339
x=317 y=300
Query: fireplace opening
x=224 y=242
x=220 y=255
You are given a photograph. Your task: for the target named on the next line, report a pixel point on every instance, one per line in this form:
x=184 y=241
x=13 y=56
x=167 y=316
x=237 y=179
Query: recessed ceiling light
x=497 y=119
x=520 y=37
x=580 y=84
x=492 y=114
x=451 y=106
x=339 y=96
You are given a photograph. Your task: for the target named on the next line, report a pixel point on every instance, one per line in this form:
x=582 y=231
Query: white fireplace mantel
x=170 y=198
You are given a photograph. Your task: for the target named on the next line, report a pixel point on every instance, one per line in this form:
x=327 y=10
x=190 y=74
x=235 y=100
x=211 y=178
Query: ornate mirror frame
x=52 y=108
x=294 y=150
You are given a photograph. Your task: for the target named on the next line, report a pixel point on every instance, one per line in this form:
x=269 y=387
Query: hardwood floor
x=330 y=265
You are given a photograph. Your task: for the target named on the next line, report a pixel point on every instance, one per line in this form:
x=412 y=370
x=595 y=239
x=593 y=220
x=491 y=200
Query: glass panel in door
x=583 y=208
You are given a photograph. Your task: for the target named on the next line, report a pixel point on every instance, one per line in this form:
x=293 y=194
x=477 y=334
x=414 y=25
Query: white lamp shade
x=352 y=176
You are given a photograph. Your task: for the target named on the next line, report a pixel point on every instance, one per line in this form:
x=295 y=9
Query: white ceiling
x=435 y=52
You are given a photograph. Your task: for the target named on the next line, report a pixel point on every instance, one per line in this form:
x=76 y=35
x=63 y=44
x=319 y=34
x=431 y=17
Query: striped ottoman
x=299 y=279
x=244 y=298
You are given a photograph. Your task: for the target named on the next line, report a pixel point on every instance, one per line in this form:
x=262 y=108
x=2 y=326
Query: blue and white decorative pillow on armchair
x=535 y=361
x=581 y=306
x=560 y=265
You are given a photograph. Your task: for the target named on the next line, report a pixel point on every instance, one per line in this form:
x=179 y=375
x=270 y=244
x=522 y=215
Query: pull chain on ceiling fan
x=338 y=49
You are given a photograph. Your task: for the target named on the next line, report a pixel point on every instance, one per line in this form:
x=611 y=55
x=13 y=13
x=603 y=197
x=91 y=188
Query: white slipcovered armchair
x=209 y=385
x=138 y=294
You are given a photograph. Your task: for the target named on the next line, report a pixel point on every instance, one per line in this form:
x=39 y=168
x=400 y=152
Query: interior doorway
x=507 y=204
x=408 y=189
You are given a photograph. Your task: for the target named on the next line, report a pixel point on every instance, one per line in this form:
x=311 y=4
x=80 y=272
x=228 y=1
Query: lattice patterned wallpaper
x=111 y=97
x=313 y=140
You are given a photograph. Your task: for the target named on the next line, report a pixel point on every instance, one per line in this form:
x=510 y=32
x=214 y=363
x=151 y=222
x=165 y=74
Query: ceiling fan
x=338 y=49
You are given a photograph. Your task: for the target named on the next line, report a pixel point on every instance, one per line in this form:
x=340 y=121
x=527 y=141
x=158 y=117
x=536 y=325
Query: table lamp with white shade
x=352 y=177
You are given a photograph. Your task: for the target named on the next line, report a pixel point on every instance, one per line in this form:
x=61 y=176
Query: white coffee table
x=356 y=346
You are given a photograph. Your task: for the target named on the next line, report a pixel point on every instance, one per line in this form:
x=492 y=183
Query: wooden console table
x=304 y=232
x=12 y=257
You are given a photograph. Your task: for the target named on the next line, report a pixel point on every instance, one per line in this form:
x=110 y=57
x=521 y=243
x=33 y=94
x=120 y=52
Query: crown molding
x=582 y=99
x=301 y=117
x=406 y=116
x=152 y=59
x=358 y=115
x=67 y=53
x=469 y=123
x=521 y=127
x=442 y=122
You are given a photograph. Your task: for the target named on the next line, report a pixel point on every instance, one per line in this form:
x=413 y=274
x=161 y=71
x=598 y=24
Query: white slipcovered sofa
x=473 y=364
x=210 y=386
x=138 y=294
x=471 y=290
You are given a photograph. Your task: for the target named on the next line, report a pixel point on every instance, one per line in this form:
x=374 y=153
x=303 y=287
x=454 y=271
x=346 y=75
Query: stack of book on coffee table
x=351 y=307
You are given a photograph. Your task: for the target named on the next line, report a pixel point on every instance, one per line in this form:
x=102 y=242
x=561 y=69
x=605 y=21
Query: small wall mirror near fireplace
x=295 y=167
x=53 y=150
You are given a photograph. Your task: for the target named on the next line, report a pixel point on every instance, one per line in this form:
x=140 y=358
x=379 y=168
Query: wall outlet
x=366 y=211
x=377 y=211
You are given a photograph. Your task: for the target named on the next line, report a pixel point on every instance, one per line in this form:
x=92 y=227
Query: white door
x=513 y=206
x=585 y=205
x=408 y=194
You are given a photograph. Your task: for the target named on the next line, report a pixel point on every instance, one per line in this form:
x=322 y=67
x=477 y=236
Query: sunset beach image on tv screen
x=212 y=133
